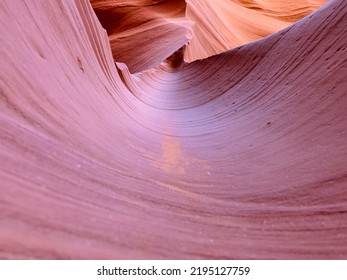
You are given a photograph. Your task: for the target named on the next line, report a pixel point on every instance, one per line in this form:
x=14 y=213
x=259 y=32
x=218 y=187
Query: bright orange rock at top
x=143 y=33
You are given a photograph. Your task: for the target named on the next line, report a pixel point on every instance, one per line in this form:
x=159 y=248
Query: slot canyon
x=172 y=129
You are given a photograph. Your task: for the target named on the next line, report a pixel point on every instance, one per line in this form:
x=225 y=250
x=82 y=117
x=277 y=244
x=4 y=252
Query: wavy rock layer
x=241 y=155
x=224 y=24
x=144 y=32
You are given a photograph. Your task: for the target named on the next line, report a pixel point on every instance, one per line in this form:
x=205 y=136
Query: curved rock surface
x=160 y=26
x=211 y=26
x=240 y=155
x=224 y=24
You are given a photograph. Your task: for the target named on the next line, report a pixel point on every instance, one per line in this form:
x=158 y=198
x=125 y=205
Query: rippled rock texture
x=240 y=155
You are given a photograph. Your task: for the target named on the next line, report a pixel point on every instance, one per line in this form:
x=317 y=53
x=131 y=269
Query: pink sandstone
x=241 y=155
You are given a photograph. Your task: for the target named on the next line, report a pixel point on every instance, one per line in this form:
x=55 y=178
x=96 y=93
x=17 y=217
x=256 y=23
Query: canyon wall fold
x=210 y=26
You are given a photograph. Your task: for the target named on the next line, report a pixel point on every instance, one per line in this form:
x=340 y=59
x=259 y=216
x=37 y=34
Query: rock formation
x=239 y=155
